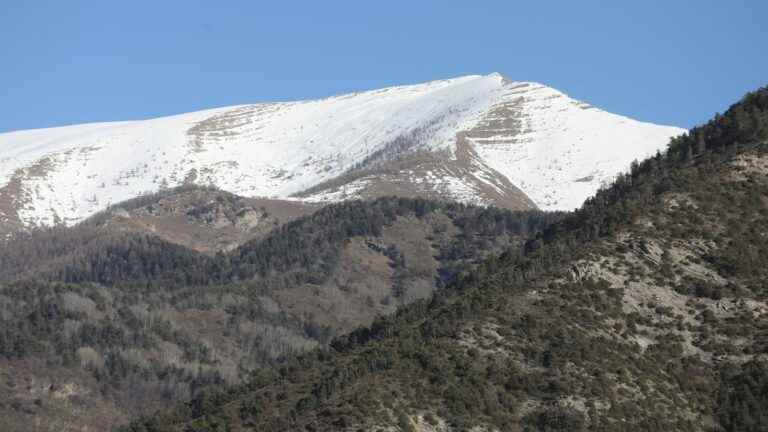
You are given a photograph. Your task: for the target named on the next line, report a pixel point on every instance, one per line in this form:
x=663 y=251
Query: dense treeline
x=28 y=252
x=743 y=397
x=87 y=253
x=304 y=251
x=524 y=343
x=307 y=250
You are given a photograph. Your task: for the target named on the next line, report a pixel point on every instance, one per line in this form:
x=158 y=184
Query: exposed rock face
x=204 y=219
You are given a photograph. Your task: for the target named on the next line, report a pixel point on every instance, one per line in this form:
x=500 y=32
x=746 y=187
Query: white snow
x=568 y=149
x=277 y=149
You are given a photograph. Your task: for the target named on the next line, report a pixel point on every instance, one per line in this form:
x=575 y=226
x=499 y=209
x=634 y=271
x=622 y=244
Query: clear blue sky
x=672 y=62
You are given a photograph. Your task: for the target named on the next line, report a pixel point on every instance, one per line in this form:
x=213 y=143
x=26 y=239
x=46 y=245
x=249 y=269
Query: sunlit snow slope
x=482 y=136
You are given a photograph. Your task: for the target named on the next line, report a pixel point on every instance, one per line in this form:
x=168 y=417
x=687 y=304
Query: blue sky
x=671 y=62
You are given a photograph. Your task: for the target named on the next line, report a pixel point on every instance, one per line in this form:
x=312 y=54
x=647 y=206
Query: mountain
x=475 y=139
x=643 y=310
x=150 y=302
x=202 y=218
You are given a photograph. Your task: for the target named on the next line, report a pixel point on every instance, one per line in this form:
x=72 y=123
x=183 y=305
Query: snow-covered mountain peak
x=478 y=138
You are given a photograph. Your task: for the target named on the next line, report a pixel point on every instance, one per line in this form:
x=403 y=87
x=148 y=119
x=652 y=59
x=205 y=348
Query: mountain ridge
x=531 y=146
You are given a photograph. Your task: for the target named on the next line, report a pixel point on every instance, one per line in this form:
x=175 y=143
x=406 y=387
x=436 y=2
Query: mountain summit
x=475 y=139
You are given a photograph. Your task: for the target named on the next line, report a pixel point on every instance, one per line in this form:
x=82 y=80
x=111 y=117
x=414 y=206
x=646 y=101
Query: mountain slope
x=109 y=319
x=476 y=139
x=204 y=219
x=644 y=310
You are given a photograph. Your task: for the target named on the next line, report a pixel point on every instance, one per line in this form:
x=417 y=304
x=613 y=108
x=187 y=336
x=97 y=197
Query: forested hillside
x=107 y=319
x=644 y=310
